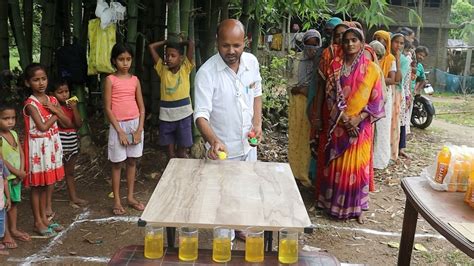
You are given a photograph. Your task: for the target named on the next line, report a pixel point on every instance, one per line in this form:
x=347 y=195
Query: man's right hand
x=216 y=147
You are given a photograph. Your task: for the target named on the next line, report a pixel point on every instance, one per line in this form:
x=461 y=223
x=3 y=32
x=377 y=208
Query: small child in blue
x=5 y=202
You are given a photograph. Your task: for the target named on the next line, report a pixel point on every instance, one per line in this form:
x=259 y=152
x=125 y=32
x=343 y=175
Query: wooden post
x=420 y=13
x=132 y=10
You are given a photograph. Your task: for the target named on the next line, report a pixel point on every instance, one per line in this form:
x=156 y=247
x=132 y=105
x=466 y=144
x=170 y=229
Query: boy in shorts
x=175 y=105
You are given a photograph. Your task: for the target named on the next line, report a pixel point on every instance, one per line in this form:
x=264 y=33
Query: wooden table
x=438 y=208
x=207 y=193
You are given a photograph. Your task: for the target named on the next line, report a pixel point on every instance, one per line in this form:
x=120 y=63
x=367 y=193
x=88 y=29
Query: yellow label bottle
x=444 y=157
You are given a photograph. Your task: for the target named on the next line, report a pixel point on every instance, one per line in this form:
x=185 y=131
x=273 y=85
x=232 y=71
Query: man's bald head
x=230 y=41
x=228 y=26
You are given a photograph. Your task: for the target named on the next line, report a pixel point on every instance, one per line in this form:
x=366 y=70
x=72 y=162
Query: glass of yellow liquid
x=153 y=242
x=254 y=245
x=288 y=246
x=188 y=243
x=221 y=251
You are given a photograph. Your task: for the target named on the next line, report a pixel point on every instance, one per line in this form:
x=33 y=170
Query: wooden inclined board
x=207 y=193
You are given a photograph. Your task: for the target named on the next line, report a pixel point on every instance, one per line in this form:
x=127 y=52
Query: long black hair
x=118 y=49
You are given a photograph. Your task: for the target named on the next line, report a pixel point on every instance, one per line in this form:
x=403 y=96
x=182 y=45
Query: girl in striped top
x=69 y=138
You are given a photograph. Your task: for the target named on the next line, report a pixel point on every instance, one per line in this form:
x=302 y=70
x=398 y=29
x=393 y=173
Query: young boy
x=14 y=161
x=175 y=106
x=419 y=82
x=5 y=202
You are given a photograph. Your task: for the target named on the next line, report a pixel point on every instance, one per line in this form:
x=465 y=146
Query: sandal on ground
x=3 y=250
x=56 y=227
x=137 y=206
x=50 y=216
x=47 y=232
x=118 y=211
x=10 y=244
x=24 y=237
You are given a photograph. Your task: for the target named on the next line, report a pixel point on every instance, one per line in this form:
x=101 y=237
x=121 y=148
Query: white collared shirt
x=225 y=99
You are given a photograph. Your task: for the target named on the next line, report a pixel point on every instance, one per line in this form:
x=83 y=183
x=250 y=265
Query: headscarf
x=308 y=63
x=312 y=33
x=333 y=22
x=378 y=48
x=386 y=61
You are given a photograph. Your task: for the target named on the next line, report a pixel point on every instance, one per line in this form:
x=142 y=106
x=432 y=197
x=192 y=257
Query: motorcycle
x=423 y=109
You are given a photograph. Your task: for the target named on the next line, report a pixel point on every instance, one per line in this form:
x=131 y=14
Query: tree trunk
x=245 y=16
x=4 y=49
x=173 y=21
x=224 y=9
x=185 y=6
x=66 y=18
x=28 y=26
x=17 y=28
x=132 y=10
x=76 y=19
x=47 y=30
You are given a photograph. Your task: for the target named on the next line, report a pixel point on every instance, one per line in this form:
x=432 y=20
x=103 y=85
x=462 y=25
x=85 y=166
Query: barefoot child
x=123 y=104
x=14 y=160
x=5 y=202
x=69 y=138
x=43 y=150
x=175 y=106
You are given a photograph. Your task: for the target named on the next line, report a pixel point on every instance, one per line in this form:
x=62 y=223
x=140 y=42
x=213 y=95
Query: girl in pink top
x=123 y=103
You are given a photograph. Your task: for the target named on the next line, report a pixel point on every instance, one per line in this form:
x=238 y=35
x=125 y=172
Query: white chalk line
x=81 y=218
x=375 y=232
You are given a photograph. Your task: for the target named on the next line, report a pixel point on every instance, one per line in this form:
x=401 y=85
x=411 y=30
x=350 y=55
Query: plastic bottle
x=454 y=181
x=464 y=175
x=444 y=157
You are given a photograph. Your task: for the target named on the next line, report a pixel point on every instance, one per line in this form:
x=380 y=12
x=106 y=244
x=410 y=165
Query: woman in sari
x=317 y=113
x=382 y=147
x=397 y=43
x=298 y=134
x=354 y=102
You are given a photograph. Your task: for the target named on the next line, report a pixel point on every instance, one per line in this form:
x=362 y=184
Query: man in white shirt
x=228 y=102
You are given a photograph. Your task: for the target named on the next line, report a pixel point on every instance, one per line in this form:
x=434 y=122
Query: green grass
x=460 y=111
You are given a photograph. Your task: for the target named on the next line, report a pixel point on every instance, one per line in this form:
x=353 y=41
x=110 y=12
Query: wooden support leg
x=170 y=236
x=408 y=234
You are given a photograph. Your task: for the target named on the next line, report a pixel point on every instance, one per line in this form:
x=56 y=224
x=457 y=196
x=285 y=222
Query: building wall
x=434 y=31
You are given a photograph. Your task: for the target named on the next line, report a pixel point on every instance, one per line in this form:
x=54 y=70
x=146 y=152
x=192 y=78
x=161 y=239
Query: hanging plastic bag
x=101 y=42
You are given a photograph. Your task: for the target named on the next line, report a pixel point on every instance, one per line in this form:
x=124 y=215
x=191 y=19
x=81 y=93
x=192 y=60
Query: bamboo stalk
x=17 y=28
x=173 y=21
x=4 y=51
x=76 y=18
x=132 y=10
x=28 y=26
x=47 y=30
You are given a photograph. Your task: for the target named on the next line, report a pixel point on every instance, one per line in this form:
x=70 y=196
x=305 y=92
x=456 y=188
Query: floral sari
x=345 y=184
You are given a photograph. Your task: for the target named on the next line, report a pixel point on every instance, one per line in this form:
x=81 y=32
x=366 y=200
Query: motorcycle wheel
x=420 y=117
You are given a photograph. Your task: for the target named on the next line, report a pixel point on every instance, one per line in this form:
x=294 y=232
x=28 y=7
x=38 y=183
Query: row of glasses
x=221 y=244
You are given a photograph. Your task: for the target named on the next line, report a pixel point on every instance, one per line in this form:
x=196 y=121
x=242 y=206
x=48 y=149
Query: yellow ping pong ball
x=222 y=155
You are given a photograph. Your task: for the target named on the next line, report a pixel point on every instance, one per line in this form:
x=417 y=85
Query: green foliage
x=461 y=15
x=275 y=98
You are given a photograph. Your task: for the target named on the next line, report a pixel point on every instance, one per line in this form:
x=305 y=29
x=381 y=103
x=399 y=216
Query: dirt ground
x=93 y=234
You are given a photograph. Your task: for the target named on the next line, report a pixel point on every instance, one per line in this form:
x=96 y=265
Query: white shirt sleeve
x=258 y=83
x=393 y=67
x=203 y=96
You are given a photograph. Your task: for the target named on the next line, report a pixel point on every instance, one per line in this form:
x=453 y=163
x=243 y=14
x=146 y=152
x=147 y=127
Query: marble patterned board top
x=207 y=193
